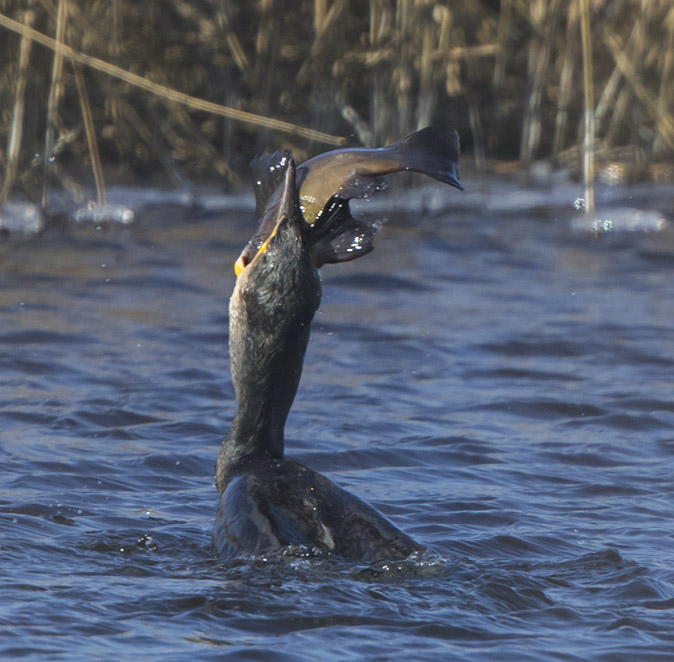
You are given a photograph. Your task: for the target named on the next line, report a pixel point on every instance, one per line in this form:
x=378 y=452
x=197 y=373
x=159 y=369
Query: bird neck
x=266 y=363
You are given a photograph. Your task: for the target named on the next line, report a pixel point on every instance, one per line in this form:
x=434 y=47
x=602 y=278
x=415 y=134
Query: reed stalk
x=618 y=115
x=608 y=96
x=543 y=17
x=380 y=33
x=665 y=94
x=502 y=40
x=357 y=123
x=320 y=9
x=16 y=131
x=236 y=49
x=565 y=83
x=478 y=134
x=427 y=95
x=588 y=96
x=87 y=118
x=55 y=92
x=115 y=47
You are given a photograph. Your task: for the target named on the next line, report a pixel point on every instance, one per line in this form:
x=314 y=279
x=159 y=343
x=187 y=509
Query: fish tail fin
x=432 y=151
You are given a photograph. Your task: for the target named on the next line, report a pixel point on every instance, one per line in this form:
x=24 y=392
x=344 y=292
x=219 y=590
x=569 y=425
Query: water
x=499 y=386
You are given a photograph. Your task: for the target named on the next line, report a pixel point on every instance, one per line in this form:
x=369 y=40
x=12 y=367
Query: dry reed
x=588 y=115
x=516 y=79
x=55 y=91
x=16 y=127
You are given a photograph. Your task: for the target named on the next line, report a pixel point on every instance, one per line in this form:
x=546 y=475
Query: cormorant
x=268 y=502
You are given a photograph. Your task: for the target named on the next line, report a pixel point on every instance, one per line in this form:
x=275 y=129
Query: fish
x=344 y=174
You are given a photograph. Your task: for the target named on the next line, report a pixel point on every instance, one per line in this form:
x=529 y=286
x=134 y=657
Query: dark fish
x=344 y=174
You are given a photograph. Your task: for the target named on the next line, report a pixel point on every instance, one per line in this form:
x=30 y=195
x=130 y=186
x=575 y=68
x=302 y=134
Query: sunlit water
x=499 y=386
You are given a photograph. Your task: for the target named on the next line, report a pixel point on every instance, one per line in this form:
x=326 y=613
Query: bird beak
x=289 y=203
x=287 y=210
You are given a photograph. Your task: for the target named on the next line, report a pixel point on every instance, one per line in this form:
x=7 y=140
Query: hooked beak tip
x=286 y=209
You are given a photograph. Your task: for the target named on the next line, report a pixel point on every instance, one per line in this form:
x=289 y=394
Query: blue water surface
x=498 y=385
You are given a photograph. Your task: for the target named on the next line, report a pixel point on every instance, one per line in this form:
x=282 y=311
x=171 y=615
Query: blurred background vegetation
x=509 y=74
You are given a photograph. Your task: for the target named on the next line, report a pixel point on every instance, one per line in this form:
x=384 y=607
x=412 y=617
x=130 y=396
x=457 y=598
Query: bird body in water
x=266 y=502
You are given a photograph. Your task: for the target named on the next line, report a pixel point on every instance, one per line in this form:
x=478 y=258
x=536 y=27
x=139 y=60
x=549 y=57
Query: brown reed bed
x=193 y=89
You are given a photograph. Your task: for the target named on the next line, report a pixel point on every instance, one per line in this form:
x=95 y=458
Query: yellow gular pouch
x=239 y=265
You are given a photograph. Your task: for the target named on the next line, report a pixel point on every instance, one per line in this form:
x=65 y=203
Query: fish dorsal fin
x=268 y=173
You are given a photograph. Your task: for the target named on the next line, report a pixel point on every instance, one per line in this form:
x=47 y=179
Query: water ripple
x=497 y=386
